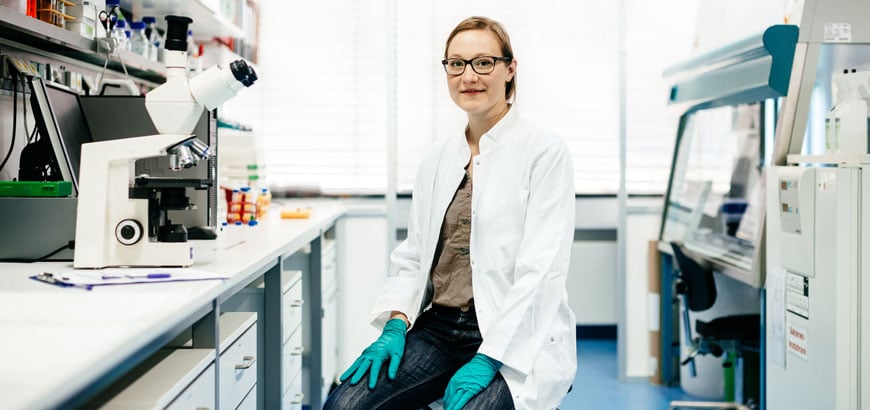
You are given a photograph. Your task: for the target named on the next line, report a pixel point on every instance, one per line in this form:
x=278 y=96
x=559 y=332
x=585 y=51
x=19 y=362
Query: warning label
x=796 y=340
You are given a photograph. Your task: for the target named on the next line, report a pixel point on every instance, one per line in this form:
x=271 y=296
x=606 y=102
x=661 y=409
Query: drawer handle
x=249 y=361
x=297 y=350
x=297 y=398
x=297 y=303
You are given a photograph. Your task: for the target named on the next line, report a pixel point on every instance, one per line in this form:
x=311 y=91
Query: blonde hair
x=494 y=27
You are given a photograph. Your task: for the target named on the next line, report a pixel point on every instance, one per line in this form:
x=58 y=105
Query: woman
x=489 y=238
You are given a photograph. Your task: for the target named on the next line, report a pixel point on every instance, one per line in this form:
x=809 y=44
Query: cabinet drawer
x=292 y=401
x=250 y=401
x=291 y=362
x=238 y=360
x=328 y=273
x=199 y=394
x=291 y=315
x=174 y=379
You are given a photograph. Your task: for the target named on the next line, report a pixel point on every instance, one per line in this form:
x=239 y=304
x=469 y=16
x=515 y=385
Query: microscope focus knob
x=128 y=232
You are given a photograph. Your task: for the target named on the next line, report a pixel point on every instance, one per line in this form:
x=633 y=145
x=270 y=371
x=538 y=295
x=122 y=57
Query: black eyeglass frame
x=467 y=63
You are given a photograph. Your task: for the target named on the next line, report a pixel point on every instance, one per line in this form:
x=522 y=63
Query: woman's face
x=478 y=93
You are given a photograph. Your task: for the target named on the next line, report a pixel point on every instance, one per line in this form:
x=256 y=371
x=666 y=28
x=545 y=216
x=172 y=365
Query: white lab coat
x=522 y=228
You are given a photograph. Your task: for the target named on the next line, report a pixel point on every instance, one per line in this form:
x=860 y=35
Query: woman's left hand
x=469 y=380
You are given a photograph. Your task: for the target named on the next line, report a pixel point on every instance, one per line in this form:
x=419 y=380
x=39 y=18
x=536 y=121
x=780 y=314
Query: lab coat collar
x=495 y=134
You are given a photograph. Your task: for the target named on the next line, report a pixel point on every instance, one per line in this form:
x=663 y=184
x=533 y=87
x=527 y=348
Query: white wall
x=592 y=282
x=362 y=265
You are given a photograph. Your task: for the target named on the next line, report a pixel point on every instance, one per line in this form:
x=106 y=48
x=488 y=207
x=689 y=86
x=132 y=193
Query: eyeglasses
x=480 y=65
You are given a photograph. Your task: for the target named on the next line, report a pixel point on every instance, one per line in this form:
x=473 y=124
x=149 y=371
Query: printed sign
x=796 y=340
x=838 y=33
x=797 y=295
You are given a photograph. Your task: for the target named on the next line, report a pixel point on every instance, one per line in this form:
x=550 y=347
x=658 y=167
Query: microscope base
x=165 y=254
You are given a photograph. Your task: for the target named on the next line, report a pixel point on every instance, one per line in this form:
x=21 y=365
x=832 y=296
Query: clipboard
x=87 y=279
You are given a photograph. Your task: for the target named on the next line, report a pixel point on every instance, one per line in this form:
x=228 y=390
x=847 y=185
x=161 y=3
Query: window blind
x=322 y=66
x=658 y=35
x=323 y=112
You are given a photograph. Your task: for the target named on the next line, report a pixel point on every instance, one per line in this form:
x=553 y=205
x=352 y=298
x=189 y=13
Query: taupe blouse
x=451 y=274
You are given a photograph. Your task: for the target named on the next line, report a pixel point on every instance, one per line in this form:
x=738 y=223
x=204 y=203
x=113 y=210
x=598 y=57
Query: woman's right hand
x=390 y=346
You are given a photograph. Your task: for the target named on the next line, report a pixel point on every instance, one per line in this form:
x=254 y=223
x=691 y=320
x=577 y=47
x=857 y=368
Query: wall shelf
x=17 y=29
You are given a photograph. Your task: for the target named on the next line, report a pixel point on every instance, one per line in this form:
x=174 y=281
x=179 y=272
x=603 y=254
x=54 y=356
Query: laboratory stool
x=731 y=335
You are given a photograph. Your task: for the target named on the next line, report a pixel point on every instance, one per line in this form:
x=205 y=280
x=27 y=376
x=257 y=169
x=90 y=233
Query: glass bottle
x=138 y=41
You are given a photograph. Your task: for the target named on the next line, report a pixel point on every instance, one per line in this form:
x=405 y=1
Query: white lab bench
x=64 y=346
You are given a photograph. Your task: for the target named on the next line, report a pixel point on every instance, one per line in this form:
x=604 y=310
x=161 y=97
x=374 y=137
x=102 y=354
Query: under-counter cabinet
x=329 y=317
x=172 y=379
x=238 y=360
x=291 y=352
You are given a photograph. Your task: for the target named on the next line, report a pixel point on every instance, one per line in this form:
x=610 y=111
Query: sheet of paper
x=124 y=276
x=775 y=301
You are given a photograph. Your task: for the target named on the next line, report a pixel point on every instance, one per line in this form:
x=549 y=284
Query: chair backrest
x=699 y=283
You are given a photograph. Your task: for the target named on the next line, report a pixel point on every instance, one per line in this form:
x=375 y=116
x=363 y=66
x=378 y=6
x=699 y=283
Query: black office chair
x=735 y=334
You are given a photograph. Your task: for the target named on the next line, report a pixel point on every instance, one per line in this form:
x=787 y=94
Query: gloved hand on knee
x=469 y=380
x=390 y=346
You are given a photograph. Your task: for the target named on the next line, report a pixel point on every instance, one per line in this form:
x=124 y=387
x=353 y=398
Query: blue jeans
x=441 y=341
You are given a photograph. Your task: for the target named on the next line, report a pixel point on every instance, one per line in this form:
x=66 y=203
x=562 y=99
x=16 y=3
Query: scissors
x=108 y=19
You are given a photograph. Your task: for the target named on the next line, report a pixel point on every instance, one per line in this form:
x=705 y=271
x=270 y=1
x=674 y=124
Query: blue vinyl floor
x=597 y=387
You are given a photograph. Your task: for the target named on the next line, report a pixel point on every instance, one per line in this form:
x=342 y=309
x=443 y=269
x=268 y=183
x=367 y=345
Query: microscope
x=123 y=219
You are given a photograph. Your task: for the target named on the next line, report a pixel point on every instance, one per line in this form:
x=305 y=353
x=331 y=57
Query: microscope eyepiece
x=243 y=72
x=176 y=32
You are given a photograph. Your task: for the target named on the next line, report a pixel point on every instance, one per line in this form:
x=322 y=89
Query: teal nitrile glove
x=469 y=380
x=390 y=346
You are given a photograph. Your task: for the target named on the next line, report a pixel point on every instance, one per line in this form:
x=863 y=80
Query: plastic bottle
x=249 y=205
x=234 y=211
x=138 y=41
x=264 y=200
x=153 y=37
x=119 y=35
x=128 y=35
